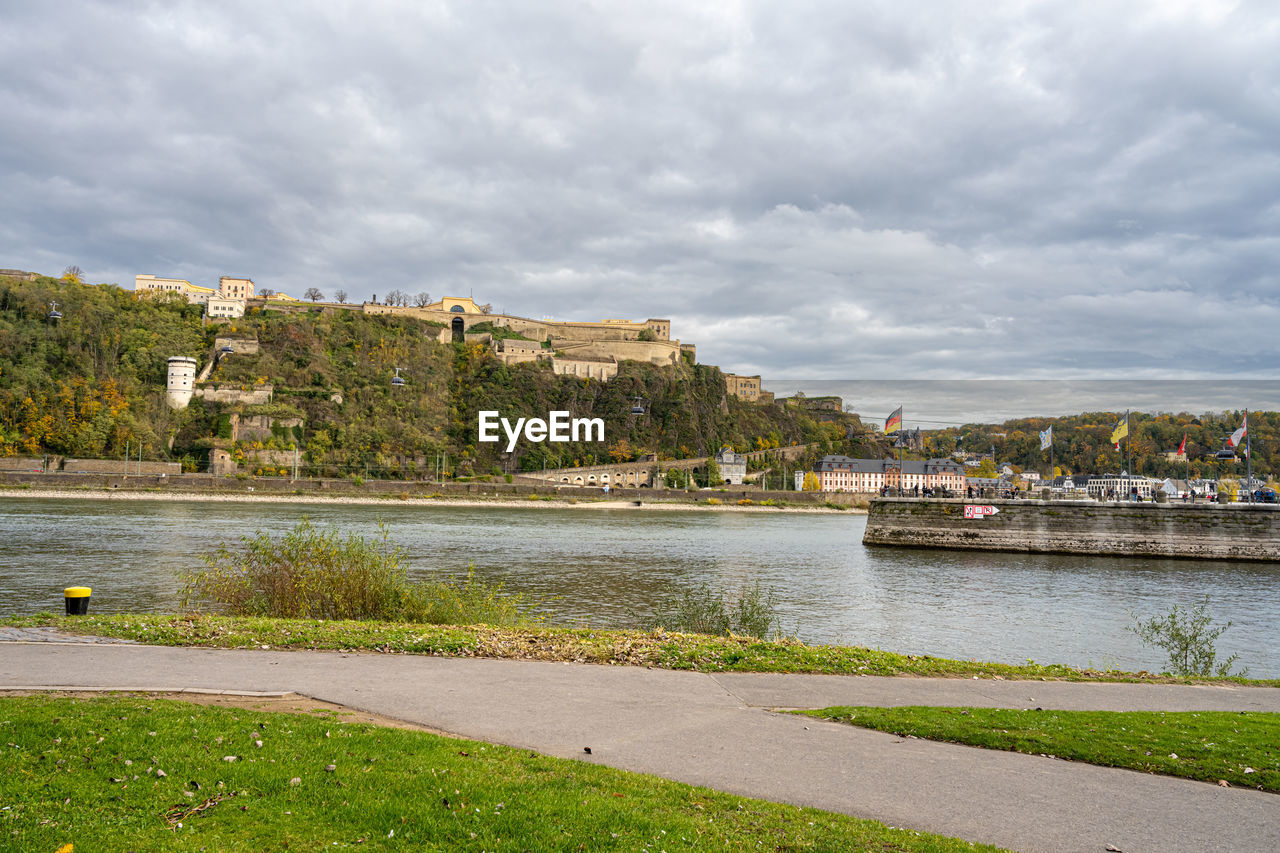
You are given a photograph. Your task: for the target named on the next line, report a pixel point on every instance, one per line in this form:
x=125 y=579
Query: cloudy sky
x=809 y=190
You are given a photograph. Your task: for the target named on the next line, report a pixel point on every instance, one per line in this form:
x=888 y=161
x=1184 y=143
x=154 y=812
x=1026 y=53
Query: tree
x=73 y=274
x=340 y=295
x=422 y=300
x=486 y=308
x=314 y=294
x=811 y=483
x=987 y=469
x=266 y=292
x=714 y=477
x=1188 y=637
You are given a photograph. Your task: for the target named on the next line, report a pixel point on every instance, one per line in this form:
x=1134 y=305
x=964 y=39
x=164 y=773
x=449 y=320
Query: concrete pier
x=1195 y=531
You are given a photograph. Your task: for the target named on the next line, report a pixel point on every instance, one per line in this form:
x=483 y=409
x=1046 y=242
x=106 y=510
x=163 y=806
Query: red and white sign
x=978 y=510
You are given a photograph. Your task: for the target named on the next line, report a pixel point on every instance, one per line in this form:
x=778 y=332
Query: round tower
x=182 y=378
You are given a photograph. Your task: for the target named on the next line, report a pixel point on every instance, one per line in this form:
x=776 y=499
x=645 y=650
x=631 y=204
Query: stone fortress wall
x=1201 y=530
x=584 y=346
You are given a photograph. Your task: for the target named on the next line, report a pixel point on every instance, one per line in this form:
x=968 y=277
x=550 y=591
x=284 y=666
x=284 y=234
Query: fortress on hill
x=571 y=348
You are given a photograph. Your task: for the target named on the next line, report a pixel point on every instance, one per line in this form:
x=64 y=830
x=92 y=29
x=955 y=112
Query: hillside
x=92 y=384
x=1082 y=443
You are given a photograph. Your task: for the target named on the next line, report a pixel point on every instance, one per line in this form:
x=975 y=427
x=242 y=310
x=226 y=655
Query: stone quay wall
x=1196 y=531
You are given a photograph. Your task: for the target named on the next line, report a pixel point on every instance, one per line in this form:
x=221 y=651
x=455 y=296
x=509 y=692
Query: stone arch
x=564 y=479
x=459 y=327
x=591 y=479
x=577 y=481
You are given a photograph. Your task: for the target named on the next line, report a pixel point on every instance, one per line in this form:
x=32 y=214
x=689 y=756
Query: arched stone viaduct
x=639 y=473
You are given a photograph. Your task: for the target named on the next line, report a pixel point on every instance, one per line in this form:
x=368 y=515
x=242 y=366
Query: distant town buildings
x=869 y=476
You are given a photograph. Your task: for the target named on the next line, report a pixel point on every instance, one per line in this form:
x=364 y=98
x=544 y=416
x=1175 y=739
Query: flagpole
x=1248 y=457
x=1128 y=445
x=899 y=443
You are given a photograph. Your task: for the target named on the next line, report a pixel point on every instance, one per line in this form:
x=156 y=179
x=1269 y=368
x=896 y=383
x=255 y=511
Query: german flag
x=893 y=423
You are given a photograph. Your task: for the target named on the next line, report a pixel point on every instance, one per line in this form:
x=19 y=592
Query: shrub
x=701 y=610
x=746 y=502
x=321 y=574
x=472 y=601
x=714 y=501
x=307 y=573
x=1188 y=637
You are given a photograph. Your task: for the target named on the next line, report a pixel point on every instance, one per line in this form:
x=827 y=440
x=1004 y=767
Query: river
x=606 y=568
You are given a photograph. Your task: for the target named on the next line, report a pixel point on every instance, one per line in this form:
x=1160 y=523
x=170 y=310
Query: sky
x=811 y=190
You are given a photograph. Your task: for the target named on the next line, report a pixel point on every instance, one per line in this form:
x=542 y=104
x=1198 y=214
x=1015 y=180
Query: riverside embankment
x=1192 y=531
x=488 y=491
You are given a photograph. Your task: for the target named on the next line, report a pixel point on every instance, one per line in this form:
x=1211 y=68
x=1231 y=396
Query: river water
x=608 y=567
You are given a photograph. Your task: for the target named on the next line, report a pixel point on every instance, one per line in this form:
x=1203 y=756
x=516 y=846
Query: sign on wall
x=979 y=510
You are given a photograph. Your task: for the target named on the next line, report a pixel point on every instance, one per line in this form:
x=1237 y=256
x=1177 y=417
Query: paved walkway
x=722 y=731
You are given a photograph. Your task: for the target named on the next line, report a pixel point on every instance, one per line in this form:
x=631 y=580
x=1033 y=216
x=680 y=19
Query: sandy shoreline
x=505 y=503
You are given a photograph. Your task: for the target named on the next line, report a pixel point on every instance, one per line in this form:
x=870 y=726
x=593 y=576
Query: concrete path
x=721 y=731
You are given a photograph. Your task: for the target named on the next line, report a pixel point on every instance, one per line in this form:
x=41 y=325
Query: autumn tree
x=314 y=294
x=422 y=300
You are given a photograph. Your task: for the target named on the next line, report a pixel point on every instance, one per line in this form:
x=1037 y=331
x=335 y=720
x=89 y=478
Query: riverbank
x=656 y=649
x=405 y=499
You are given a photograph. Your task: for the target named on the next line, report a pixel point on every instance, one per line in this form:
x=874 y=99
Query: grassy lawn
x=627 y=648
x=1242 y=748
x=139 y=773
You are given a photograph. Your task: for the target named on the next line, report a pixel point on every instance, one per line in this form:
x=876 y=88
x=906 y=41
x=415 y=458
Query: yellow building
x=743 y=387
x=231 y=287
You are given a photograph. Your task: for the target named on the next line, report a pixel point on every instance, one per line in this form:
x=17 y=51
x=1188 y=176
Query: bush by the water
x=752 y=612
x=310 y=573
x=1189 y=637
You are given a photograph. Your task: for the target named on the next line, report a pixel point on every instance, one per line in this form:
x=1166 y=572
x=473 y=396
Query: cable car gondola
x=397 y=380
x=637 y=406
x=54 y=314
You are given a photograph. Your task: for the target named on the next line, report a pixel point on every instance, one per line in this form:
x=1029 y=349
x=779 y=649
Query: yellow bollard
x=77 y=598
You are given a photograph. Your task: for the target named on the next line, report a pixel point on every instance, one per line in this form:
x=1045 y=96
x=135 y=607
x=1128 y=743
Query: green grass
x=88 y=772
x=1242 y=748
x=656 y=648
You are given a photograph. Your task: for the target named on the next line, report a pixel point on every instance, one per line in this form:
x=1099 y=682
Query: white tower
x=182 y=378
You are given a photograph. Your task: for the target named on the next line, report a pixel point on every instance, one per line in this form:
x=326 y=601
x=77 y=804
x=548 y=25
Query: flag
x=893 y=423
x=1239 y=435
x=1046 y=438
x=1182 y=448
x=1120 y=431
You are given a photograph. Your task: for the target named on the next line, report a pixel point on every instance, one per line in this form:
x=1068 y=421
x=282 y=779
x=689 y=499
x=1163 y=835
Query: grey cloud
x=820 y=190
